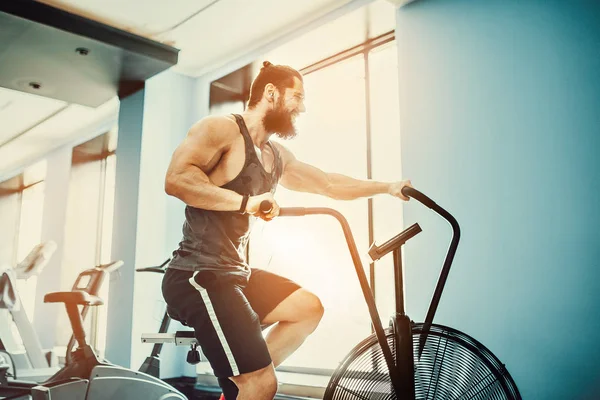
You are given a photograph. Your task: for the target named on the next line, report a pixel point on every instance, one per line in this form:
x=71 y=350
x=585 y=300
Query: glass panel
x=106 y=247
x=322 y=42
x=30 y=234
x=108 y=209
x=338 y=35
x=386 y=166
x=10 y=205
x=30 y=226
x=88 y=230
x=312 y=250
x=81 y=232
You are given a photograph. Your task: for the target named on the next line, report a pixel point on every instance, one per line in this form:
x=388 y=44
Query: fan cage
x=453 y=366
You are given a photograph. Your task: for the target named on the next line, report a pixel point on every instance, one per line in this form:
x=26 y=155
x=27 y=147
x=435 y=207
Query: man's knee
x=313 y=305
x=312 y=312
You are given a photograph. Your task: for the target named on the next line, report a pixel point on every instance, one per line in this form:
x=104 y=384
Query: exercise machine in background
x=88 y=377
x=19 y=343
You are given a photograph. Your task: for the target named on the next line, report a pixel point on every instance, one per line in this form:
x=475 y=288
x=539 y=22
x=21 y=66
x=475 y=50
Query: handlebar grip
x=415 y=194
x=292 y=212
x=265 y=206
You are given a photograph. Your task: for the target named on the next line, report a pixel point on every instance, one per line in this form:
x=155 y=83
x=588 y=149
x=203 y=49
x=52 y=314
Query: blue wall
x=500 y=124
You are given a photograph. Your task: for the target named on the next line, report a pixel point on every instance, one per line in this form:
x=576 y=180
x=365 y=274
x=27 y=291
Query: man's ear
x=269 y=92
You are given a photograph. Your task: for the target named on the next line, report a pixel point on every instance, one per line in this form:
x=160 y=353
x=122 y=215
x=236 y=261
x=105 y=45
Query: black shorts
x=226 y=315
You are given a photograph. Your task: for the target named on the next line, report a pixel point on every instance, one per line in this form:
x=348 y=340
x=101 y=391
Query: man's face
x=280 y=119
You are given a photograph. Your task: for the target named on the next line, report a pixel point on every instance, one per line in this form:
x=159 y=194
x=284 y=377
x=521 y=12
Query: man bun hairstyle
x=282 y=76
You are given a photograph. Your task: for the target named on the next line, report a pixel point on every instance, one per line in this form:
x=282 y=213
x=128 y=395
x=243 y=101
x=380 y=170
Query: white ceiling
x=209 y=33
x=20 y=111
x=66 y=123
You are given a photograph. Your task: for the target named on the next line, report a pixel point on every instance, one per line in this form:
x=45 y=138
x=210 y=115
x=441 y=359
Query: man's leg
x=297 y=316
x=296 y=313
x=278 y=300
x=256 y=385
x=228 y=331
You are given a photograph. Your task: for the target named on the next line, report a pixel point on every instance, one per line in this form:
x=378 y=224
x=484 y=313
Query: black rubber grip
x=415 y=194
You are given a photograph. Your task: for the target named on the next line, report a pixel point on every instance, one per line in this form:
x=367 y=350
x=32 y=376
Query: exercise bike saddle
x=74 y=297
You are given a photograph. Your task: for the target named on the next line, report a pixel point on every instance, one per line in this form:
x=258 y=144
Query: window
x=351 y=127
x=312 y=250
x=10 y=210
x=386 y=166
x=336 y=36
x=88 y=227
x=21 y=211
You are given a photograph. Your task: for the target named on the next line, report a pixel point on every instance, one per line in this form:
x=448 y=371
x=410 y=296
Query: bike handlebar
x=415 y=194
x=266 y=206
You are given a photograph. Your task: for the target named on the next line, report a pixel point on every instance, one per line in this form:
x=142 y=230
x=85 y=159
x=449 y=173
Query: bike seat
x=75 y=297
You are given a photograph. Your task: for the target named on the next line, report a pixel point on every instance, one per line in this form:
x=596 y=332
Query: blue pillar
x=120 y=305
x=168 y=105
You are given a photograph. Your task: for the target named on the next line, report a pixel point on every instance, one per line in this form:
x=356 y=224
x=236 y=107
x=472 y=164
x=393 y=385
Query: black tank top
x=215 y=241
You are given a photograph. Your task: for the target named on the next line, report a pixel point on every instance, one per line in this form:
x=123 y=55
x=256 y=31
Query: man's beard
x=279 y=121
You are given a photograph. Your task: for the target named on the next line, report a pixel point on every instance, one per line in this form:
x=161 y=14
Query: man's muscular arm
x=303 y=177
x=202 y=149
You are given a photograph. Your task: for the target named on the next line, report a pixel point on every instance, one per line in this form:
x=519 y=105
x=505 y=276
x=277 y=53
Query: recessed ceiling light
x=82 y=51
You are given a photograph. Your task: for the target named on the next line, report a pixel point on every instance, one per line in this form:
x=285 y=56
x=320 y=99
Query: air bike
x=408 y=360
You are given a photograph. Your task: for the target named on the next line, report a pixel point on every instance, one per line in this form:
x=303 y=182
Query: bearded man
x=222 y=171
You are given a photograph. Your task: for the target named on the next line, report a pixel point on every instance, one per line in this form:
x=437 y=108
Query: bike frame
x=402 y=372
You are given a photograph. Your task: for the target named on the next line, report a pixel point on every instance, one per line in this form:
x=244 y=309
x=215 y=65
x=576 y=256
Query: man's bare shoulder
x=285 y=153
x=217 y=129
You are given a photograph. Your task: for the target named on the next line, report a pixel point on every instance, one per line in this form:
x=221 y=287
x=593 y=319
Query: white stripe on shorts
x=217 y=326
